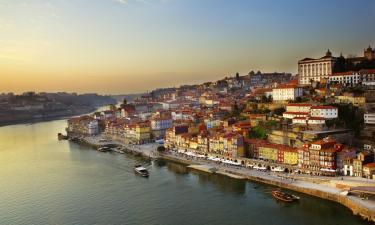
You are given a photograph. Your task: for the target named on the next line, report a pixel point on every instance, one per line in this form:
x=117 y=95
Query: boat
x=139 y=169
x=60 y=137
x=282 y=196
x=104 y=149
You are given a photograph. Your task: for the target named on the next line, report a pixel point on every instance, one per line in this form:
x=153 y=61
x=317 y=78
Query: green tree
x=258 y=132
x=279 y=111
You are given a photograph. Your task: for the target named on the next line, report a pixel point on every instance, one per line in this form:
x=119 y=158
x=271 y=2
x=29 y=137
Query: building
x=347 y=78
x=324 y=111
x=286 y=92
x=319 y=157
x=297 y=110
x=298 y=107
x=269 y=152
x=309 y=120
x=139 y=133
x=359 y=101
x=310 y=69
x=369 y=118
x=159 y=125
x=368 y=77
x=172 y=134
x=84 y=125
x=93 y=127
x=259 y=79
x=369 y=170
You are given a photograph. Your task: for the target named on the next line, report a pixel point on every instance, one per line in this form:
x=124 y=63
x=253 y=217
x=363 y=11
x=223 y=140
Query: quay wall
x=357 y=209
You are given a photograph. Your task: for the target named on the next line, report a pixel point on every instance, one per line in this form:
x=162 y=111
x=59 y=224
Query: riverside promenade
x=330 y=188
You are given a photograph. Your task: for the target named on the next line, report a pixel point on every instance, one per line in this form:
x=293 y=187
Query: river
x=46 y=181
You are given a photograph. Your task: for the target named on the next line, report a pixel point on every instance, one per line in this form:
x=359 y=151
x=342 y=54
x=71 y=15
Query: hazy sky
x=124 y=46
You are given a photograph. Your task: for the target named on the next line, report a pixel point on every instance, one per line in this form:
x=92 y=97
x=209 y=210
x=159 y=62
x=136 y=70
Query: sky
x=129 y=46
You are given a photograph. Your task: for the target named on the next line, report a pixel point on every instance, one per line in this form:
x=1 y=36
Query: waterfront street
x=336 y=186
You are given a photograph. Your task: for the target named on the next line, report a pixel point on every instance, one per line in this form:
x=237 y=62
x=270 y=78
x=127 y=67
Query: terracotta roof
x=316 y=118
x=299 y=104
x=297 y=113
x=323 y=107
x=370 y=165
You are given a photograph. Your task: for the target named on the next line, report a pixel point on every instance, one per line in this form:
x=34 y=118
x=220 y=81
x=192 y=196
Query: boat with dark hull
x=285 y=197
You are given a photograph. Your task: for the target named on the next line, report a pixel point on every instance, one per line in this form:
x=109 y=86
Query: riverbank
x=363 y=208
x=326 y=188
x=45 y=118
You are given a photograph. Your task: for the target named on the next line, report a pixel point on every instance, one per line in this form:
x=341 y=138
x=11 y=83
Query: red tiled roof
x=370 y=165
x=316 y=118
x=323 y=107
x=299 y=104
x=297 y=113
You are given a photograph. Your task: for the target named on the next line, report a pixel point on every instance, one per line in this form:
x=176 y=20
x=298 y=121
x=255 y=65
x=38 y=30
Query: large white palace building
x=310 y=69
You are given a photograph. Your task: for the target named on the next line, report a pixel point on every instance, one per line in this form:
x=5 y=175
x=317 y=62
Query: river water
x=46 y=181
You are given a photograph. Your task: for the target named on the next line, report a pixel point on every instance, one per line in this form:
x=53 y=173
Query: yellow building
x=290 y=157
x=143 y=133
x=268 y=153
x=357 y=101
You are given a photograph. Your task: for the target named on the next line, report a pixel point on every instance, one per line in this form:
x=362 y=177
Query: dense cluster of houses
x=274 y=118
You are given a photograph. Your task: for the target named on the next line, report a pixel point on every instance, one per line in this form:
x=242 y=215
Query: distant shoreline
x=48 y=118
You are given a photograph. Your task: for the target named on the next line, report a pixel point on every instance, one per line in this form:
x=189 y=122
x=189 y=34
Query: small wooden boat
x=60 y=137
x=282 y=196
x=104 y=149
x=141 y=170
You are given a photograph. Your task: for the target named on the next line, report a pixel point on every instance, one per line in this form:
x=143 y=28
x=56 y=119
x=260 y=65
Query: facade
x=298 y=107
x=84 y=125
x=93 y=127
x=309 y=120
x=369 y=170
x=286 y=92
x=310 y=69
x=268 y=153
x=359 y=101
x=369 y=118
x=319 y=157
x=139 y=133
x=368 y=77
x=348 y=78
x=324 y=111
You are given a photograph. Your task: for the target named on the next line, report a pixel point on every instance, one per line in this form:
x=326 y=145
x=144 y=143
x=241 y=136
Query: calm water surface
x=45 y=181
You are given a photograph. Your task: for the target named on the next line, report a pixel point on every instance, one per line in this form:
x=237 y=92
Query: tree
x=258 y=132
x=279 y=111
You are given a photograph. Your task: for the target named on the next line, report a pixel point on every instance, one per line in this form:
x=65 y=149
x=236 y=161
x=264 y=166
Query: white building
x=310 y=69
x=93 y=127
x=324 y=111
x=345 y=78
x=291 y=115
x=369 y=118
x=287 y=92
x=298 y=107
x=309 y=120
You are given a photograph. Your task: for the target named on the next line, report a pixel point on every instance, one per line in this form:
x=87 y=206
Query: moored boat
x=141 y=170
x=104 y=149
x=282 y=196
